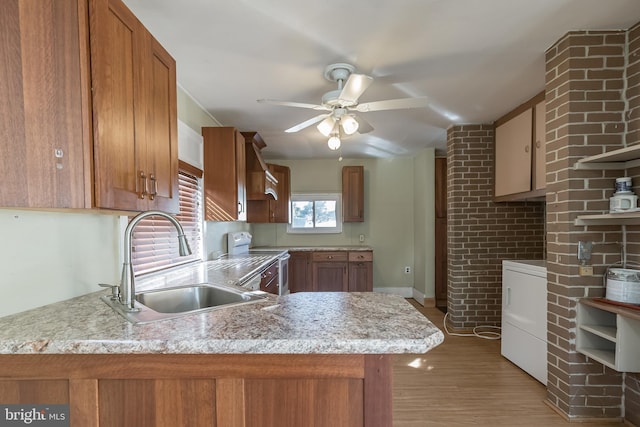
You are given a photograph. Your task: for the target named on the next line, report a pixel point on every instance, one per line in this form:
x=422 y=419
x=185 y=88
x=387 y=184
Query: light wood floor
x=466 y=382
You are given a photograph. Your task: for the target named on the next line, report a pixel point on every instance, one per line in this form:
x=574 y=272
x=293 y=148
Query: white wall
x=389 y=214
x=47 y=257
x=424 y=212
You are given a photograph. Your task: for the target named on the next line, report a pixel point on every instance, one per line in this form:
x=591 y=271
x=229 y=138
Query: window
x=155 y=240
x=315 y=213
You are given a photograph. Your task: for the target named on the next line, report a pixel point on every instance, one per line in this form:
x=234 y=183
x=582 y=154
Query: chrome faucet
x=127 y=284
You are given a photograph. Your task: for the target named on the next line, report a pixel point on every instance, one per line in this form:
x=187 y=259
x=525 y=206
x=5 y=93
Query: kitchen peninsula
x=299 y=359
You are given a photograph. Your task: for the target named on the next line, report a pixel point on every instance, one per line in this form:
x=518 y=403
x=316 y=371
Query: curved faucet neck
x=127 y=284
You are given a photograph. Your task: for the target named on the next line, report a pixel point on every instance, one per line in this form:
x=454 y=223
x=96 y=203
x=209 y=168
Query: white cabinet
x=524 y=316
x=609 y=334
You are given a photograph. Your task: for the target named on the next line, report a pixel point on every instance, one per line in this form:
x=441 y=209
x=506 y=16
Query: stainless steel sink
x=169 y=303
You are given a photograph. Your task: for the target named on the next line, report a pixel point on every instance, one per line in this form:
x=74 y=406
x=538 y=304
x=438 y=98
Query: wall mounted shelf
x=623 y=158
x=609 y=334
x=622 y=218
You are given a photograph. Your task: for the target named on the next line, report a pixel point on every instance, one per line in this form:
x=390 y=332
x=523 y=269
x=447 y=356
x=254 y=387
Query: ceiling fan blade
x=363 y=125
x=354 y=88
x=393 y=104
x=292 y=104
x=306 y=123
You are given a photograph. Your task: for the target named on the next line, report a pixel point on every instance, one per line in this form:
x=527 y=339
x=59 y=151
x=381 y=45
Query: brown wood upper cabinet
x=353 y=194
x=224 y=174
x=273 y=211
x=261 y=184
x=68 y=75
x=520 y=152
x=135 y=113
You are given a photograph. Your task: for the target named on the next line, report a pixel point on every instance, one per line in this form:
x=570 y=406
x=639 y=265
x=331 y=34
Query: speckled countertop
x=300 y=323
x=352 y=248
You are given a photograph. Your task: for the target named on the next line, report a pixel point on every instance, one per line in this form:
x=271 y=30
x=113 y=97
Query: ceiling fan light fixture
x=349 y=124
x=326 y=126
x=334 y=142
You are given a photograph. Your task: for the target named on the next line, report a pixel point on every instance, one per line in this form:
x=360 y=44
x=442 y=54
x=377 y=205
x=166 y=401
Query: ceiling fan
x=342 y=104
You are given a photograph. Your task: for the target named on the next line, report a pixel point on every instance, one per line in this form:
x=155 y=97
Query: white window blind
x=155 y=240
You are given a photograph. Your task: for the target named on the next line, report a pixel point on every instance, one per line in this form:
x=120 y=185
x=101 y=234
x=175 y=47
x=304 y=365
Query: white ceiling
x=475 y=60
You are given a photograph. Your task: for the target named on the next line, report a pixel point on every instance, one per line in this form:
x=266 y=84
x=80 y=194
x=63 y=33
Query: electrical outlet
x=585 y=270
x=361 y=238
x=407 y=270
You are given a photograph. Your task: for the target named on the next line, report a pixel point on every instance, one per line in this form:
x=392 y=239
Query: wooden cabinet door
x=157 y=402
x=241 y=176
x=280 y=208
x=300 y=278
x=540 y=158
x=360 y=276
x=119 y=127
x=224 y=174
x=161 y=128
x=513 y=155
x=44 y=112
x=330 y=276
x=353 y=194
x=273 y=211
x=134 y=113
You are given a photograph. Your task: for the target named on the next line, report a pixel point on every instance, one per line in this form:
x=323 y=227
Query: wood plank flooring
x=466 y=382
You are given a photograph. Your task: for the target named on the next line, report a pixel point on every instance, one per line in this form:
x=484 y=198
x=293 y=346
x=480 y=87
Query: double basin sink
x=169 y=303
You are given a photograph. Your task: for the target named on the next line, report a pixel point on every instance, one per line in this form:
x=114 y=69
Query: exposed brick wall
x=588 y=112
x=632 y=381
x=482 y=233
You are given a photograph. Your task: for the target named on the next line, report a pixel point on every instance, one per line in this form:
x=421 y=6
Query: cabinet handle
x=240 y=208
x=538 y=144
x=508 y=299
x=154 y=186
x=526 y=148
x=330 y=257
x=143 y=185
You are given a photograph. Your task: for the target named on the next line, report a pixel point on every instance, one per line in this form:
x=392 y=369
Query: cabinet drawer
x=360 y=256
x=330 y=256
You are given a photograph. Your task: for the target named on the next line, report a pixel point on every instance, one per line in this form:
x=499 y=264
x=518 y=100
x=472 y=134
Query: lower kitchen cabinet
x=300 y=279
x=331 y=271
x=360 y=271
x=205 y=390
x=269 y=279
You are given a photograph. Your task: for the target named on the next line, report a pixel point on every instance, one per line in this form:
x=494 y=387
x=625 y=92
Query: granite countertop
x=352 y=248
x=299 y=323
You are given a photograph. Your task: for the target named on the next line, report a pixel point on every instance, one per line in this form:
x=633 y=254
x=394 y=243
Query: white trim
x=418 y=296
x=204 y=110
x=403 y=291
x=313 y=197
x=190 y=144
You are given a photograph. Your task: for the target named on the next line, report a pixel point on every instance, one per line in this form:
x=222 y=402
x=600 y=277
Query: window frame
x=314 y=197
x=191 y=217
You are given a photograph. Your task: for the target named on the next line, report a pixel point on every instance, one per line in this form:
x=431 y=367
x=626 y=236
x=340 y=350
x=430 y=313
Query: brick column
x=482 y=233
x=584 y=106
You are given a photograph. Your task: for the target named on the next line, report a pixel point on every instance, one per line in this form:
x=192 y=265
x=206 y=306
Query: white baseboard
x=408 y=292
x=403 y=291
x=418 y=296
